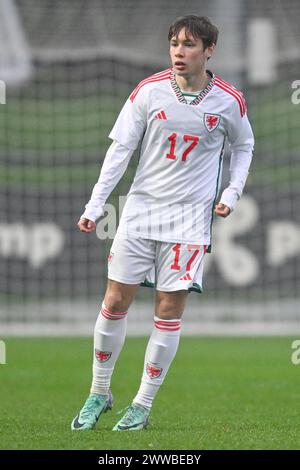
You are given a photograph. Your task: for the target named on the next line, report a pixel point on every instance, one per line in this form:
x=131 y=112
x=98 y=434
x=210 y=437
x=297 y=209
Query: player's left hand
x=222 y=210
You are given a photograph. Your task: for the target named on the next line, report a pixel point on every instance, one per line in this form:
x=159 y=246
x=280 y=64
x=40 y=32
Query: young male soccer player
x=181 y=116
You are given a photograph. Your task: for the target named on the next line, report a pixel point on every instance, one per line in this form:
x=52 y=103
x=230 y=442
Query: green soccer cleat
x=135 y=419
x=91 y=411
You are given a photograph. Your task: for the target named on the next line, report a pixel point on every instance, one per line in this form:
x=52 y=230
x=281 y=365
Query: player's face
x=188 y=55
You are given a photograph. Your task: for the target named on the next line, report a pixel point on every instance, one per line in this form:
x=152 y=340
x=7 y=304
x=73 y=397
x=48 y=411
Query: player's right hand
x=86 y=225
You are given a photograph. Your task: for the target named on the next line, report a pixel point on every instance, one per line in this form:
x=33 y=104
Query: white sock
x=109 y=337
x=161 y=350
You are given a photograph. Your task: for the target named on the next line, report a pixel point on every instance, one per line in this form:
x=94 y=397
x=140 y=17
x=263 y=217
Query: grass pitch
x=220 y=393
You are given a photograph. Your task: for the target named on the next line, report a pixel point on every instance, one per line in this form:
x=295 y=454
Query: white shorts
x=165 y=266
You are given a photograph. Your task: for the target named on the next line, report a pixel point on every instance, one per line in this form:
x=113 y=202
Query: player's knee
x=167 y=309
x=116 y=301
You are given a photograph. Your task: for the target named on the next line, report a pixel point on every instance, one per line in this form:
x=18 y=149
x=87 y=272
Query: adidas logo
x=161 y=115
x=186 y=277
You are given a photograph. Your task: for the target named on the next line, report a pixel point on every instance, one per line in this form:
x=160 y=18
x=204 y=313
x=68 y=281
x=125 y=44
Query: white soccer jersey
x=178 y=176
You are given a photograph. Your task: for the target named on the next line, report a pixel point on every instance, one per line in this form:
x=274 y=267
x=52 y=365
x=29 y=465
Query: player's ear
x=210 y=50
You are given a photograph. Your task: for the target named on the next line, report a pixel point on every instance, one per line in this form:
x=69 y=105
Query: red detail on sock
x=112 y=315
x=167 y=329
x=167 y=325
x=153 y=371
x=102 y=356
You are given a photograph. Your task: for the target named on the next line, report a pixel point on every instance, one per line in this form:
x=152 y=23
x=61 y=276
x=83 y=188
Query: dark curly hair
x=199 y=27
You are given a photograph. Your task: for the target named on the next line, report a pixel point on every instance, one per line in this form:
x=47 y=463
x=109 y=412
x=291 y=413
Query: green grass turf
x=221 y=393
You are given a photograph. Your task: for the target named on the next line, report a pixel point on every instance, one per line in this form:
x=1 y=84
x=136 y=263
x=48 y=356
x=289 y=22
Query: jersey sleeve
x=241 y=142
x=113 y=168
x=131 y=122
